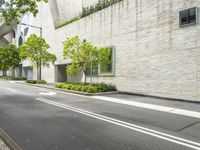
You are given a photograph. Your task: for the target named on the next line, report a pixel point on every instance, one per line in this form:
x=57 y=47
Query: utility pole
x=91 y=67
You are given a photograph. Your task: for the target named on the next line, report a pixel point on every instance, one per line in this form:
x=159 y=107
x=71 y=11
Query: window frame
x=112 y=73
x=188 y=10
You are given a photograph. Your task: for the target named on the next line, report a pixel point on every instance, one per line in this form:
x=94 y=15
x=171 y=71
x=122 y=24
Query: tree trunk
x=85 y=76
x=13 y=72
x=38 y=71
x=4 y=73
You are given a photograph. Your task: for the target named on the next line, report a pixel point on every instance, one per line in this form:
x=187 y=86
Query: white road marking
x=49 y=93
x=11 y=90
x=151 y=106
x=154 y=133
x=13 y=82
x=172 y=110
x=46 y=92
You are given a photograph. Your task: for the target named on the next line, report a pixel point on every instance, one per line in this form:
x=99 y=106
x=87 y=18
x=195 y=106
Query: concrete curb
x=8 y=141
x=162 y=97
x=69 y=91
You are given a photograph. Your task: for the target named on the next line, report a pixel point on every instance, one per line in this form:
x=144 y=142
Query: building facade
x=155 y=44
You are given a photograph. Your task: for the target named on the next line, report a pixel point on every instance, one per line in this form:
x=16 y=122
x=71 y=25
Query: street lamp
x=37 y=27
x=40 y=28
x=91 y=73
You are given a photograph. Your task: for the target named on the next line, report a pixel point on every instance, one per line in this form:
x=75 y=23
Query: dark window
x=20 y=41
x=188 y=16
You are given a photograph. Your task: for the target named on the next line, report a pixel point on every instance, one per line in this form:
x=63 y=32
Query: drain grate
x=6 y=143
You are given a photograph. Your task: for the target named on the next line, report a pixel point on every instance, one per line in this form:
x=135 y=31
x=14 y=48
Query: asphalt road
x=40 y=119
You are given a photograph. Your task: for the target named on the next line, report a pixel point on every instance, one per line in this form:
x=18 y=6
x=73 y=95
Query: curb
x=70 y=91
x=8 y=141
x=161 y=97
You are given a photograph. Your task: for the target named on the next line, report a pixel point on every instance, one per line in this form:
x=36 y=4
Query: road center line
x=154 y=133
x=151 y=106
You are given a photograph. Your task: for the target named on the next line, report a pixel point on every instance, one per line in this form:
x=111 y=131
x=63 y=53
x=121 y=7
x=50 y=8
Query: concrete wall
x=153 y=54
x=63 y=11
x=87 y=3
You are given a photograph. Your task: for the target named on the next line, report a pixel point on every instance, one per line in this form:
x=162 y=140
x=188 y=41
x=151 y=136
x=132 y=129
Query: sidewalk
x=3 y=146
x=174 y=107
x=6 y=143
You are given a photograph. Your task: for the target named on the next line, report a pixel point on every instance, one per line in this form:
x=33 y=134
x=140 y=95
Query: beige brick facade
x=153 y=54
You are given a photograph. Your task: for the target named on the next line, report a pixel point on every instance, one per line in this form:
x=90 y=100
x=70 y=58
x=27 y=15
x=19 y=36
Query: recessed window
x=108 y=69
x=188 y=16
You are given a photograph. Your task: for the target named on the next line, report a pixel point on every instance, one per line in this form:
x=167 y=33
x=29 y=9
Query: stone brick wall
x=87 y=3
x=153 y=54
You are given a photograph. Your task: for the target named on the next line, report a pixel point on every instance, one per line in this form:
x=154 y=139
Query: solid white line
x=151 y=106
x=164 y=136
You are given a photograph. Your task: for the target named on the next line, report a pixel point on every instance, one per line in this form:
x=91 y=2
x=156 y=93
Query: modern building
x=155 y=43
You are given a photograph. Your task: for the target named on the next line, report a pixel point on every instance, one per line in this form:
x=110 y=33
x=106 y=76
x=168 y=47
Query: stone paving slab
x=3 y=146
x=6 y=143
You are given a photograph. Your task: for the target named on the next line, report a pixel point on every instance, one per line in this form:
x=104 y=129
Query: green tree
x=4 y=66
x=35 y=49
x=13 y=10
x=9 y=58
x=80 y=53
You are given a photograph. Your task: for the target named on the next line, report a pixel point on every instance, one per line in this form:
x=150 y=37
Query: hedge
x=36 y=82
x=12 y=78
x=86 y=87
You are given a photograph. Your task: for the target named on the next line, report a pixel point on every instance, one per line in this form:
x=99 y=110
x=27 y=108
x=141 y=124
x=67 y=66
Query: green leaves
x=97 y=7
x=13 y=10
x=9 y=57
x=35 y=50
x=79 y=53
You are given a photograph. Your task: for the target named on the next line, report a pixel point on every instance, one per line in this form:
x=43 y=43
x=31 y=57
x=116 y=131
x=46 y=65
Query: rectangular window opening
x=108 y=69
x=188 y=17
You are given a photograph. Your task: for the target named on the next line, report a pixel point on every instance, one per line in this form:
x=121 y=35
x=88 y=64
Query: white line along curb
x=154 y=133
x=150 y=106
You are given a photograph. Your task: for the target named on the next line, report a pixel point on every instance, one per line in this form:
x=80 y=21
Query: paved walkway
x=3 y=146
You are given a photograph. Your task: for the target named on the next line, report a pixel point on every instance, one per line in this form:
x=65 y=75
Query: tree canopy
x=35 y=49
x=80 y=52
x=9 y=57
x=13 y=10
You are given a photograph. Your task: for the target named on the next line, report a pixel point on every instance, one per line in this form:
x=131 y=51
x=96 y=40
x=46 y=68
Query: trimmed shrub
x=92 y=89
x=31 y=81
x=86 y=87
x=36 y=82
x=41 y=82
x=59 y=85
x=18 y=78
